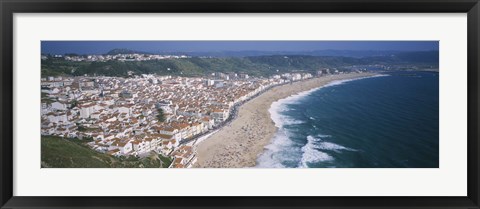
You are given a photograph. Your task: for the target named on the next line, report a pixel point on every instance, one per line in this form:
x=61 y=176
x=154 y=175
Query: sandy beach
x=239 y=143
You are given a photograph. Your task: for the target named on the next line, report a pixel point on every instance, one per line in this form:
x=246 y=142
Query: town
x=117 y=57
x=149 y=113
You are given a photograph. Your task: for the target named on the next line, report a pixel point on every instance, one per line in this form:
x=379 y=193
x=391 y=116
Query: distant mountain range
x=336 y=53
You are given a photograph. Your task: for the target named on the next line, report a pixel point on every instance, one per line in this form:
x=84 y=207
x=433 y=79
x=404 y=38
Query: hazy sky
x=101 y=47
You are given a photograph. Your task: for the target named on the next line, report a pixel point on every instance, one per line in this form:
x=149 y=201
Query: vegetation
x=255 y=65
x=73 y=104
x=81 y=128
x=45 y=99
x=59 y=152
x=58 y=67
x=161 y=115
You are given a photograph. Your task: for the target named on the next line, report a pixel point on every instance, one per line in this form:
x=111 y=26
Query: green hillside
x=196 y=66
x=59 y=152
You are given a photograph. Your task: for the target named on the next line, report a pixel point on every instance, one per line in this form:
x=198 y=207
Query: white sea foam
x=281 y=147
x=277 y=152
x=339 y=82
x=332 y=147
x=280 y=106
x=280 y=119
x=311 y=154
x=319 y=143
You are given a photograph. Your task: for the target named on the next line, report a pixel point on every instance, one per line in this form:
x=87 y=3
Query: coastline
x=239 y=143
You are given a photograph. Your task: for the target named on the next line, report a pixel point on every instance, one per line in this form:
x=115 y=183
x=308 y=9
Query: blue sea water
x=386 y=121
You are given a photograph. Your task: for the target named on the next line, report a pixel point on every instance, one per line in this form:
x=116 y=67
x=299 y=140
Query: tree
x=73 y=104
x=160 y=116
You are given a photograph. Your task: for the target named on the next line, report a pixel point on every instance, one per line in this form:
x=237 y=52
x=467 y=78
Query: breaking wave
x=313 y=151
x=283 y=149
x=311 y=154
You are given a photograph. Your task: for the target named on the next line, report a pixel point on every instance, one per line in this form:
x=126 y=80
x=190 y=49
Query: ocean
x=386 y=121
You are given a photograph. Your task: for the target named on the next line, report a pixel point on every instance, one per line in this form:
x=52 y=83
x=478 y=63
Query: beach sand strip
x=239 y=143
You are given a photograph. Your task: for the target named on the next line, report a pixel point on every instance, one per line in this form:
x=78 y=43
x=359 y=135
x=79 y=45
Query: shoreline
x=239 y=143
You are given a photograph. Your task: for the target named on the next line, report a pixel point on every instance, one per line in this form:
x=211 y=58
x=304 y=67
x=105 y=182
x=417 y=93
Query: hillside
x=255 y=65
x=59 y=152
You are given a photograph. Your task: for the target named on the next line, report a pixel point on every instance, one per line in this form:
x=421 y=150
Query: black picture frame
x=9 y=7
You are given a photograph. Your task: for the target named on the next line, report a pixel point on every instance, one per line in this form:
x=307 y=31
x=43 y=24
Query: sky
x=102 y=47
